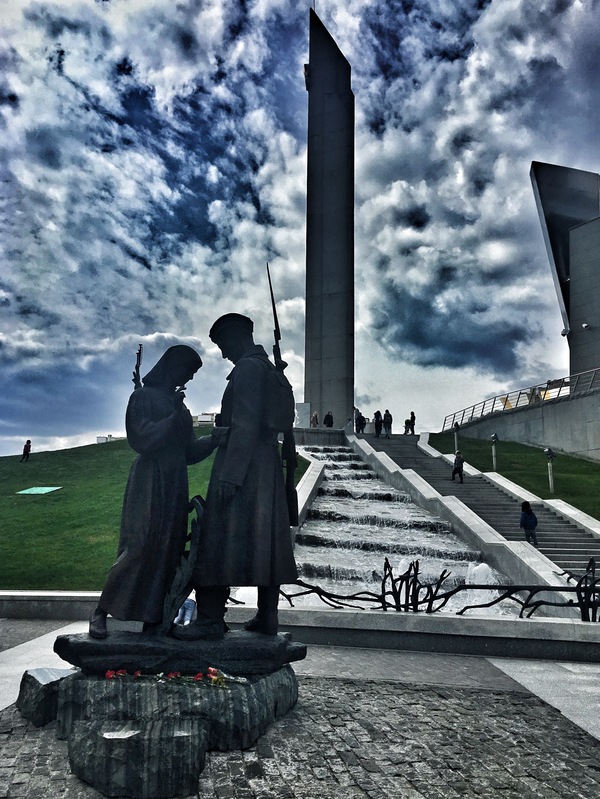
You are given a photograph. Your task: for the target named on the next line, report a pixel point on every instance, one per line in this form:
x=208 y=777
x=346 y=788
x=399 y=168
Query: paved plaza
x=368 y=723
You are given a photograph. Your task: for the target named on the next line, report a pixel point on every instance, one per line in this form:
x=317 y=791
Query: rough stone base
x=38 y=694
x=236 y=715
x=140 y=758
x=147 y=737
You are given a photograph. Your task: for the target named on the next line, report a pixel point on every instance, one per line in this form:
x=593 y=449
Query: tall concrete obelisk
x=329 y=343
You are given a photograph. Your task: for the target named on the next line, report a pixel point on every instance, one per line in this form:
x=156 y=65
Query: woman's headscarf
x=170 y=363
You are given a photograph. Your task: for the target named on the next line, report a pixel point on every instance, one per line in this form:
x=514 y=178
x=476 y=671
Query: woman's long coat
x=154 y=520
x=246 y=540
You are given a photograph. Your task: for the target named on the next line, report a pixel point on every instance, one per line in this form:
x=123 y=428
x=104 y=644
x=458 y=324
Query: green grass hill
x=67 y=539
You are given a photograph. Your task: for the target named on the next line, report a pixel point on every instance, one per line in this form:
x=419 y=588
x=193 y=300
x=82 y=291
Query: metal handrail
x=551 y=389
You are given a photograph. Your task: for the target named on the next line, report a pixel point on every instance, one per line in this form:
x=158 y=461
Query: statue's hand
x=226 y=490
x=179 y=398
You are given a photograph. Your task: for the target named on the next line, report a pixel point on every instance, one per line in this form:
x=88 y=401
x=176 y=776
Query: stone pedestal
x=238 y=653
x=235 y=715
x=147 y=736
x=139 y=758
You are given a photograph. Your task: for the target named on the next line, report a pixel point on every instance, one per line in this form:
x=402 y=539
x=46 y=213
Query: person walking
x=378 y=423
x=528 y=523
x=26 y=451
x=459 y=462
x=413 y=419
x=387 y=423
x=187 y=610
x=328 y=419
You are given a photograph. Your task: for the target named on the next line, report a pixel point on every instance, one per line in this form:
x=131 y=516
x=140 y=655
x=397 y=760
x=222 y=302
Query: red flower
x=110 y=674
x=212 y=672
x=121 y=672
x=172 y=674
x=199 y=676
x=137 y=673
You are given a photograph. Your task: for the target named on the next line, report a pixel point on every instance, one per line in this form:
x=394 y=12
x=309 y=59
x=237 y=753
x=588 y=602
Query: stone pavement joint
x=361 y=739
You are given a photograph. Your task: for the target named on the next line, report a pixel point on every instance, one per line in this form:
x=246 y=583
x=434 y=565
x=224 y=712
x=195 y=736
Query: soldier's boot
x=265 y=621
x=97 y=628
x=209 y=624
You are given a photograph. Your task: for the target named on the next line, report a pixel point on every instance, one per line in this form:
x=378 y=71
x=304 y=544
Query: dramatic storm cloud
x=153 y=158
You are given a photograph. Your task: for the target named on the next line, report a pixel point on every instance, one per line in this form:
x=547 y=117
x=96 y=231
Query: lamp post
x=495 y=440
x=550 y=455
x=456 y=429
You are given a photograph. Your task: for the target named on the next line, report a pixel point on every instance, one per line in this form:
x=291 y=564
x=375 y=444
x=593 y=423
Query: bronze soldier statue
x=154 y=520
x=246 y=536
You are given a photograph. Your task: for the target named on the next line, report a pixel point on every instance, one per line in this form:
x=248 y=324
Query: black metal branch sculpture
x=407 y=594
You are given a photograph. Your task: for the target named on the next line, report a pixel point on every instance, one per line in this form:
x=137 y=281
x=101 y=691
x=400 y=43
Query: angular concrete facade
x=584 y=256
x=568 y=203
x=329 y=342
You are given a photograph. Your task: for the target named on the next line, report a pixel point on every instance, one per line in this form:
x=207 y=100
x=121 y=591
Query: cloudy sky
x=153 y=158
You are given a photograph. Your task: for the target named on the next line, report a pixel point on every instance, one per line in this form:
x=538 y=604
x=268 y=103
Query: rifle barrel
x=276 y=330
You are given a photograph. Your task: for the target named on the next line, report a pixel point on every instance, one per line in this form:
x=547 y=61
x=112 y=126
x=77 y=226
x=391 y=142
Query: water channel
x=357 y=521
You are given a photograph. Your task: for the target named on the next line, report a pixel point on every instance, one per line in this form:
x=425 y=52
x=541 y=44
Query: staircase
x=568 y=546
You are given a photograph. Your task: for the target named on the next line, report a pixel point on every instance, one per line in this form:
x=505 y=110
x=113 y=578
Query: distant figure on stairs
x=459 y=462
x=387 y=423
x=528 y=523
x=377 y=418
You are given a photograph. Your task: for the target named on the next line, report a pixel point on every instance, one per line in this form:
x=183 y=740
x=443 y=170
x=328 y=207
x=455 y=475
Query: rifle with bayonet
x=137 y=380
x=288 y=449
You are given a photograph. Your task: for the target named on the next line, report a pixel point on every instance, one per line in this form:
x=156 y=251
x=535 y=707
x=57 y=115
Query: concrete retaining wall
x=569 y=424
x=319 y=436
x=542 y=638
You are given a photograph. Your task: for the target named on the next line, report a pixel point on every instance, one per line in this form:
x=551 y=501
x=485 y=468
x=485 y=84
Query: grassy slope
x=576 y=481
x=67 y=539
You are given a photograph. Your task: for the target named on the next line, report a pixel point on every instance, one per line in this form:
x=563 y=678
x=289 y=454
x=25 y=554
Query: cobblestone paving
x=351 y=739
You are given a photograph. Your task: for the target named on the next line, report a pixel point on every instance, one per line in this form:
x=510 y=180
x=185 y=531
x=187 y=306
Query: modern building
x=329 y=342
x=568 y=203
x=565 y=414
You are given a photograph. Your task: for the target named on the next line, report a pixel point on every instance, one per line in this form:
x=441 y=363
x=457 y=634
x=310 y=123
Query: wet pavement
x=368 y=723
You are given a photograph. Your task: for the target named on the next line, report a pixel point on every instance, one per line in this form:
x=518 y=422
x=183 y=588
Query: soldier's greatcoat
x=154 y=520
x=246 y=540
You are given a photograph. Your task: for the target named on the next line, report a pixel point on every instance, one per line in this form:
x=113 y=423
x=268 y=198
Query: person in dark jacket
x=26 y=451
x=246 y=538
x=387 y=423
x=328 y=419
x=154 y=519
x=459 y=463
x=528 y=523
x=378 y=420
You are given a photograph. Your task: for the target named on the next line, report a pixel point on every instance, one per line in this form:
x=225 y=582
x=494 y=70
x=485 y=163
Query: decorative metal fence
x=408 y=594
x=552 y=389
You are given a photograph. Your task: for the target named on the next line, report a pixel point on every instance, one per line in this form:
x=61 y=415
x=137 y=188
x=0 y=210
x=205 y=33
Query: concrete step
x=567 y=545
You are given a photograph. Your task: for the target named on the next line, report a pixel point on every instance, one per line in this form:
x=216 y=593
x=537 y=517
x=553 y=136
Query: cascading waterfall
x=357 y=521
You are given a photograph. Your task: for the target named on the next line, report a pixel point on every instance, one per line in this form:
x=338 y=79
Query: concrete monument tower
x=329 y=344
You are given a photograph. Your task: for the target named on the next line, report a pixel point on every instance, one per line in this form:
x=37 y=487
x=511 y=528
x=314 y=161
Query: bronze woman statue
x=154 y=520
